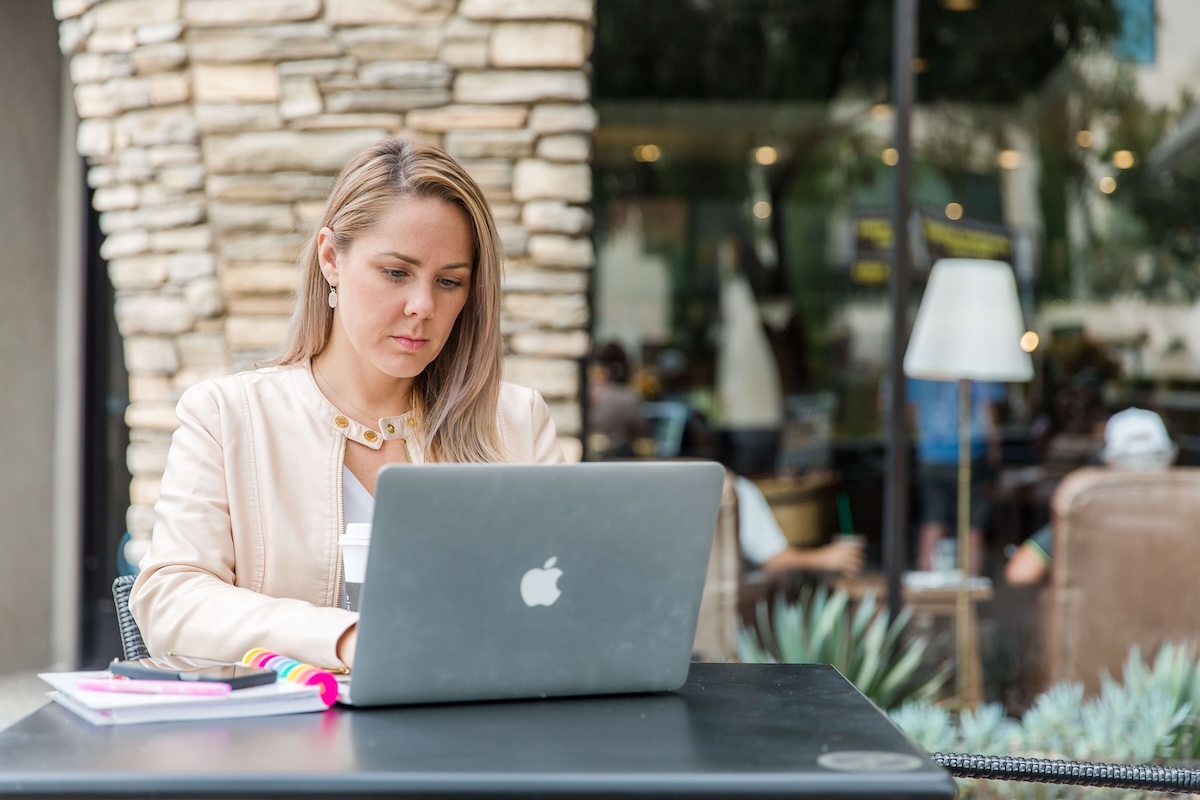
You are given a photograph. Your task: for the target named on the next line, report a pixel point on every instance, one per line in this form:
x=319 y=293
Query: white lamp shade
x=969 y=325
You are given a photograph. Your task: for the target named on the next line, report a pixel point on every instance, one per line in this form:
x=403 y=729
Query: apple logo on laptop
x=539 y=587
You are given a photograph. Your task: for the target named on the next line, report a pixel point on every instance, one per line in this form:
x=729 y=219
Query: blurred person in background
x=1134 y=439
x=618 y=429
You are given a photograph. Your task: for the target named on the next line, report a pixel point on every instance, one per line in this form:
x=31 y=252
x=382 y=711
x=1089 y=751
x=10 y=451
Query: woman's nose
x=419 y=302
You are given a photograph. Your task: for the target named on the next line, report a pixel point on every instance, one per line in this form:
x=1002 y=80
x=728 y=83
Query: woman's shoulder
x=238 y=385
x=515 y=398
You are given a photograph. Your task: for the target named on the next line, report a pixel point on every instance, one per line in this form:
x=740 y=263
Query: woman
x=393 y=355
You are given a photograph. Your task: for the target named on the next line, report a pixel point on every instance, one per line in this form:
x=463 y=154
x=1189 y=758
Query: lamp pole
x=904 y=28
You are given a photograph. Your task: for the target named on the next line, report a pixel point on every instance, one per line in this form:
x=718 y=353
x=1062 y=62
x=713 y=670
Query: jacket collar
x=305 y=386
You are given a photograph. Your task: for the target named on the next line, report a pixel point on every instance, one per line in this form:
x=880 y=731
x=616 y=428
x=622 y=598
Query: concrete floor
x=20 y=694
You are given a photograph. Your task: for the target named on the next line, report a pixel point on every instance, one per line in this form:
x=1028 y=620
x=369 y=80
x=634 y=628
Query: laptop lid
x=496 y=581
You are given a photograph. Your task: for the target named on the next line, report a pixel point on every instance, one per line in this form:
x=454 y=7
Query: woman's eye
x=451 y=283
x=395 y=274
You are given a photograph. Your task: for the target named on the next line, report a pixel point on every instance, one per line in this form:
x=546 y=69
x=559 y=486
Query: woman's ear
x=327 y=255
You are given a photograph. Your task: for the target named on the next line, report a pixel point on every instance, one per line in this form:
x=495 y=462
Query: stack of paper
x=112 y=708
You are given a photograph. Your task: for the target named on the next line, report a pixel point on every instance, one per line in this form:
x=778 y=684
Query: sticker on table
x=868 y=761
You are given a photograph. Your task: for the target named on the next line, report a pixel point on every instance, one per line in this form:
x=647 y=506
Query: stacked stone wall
x=213 y=128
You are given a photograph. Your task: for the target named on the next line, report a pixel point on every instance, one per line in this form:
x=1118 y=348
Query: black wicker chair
x=131 y=636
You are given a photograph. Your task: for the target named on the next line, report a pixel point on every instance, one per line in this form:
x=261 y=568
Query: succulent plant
x=878 y=656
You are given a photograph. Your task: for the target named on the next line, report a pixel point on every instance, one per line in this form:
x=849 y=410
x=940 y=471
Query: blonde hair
x=457 y=394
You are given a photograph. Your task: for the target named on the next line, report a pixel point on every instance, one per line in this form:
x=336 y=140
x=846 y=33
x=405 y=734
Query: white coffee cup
x=355 y=544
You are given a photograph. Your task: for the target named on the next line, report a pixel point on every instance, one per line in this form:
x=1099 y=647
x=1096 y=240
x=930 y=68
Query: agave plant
x=875 y=654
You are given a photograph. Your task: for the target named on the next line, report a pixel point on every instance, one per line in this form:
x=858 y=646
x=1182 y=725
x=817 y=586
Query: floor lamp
x=968 y=328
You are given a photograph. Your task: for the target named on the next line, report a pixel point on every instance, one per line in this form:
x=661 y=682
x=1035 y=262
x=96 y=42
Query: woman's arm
x=186 y=600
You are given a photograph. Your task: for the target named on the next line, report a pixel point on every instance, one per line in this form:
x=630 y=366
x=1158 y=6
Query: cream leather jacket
x=245 y=546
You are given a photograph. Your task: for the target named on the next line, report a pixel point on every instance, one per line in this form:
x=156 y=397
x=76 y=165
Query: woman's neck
x=347 y=381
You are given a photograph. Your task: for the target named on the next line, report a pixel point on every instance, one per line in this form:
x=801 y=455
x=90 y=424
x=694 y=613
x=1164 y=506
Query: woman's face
x=401 y=286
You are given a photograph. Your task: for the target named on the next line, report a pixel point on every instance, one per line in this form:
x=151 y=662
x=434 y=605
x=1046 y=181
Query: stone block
x=158 y=32
x=549 y=311
x=197 y=237
x=172 y=215
x=450 y=118
x=154 y=58
x=253 y=333
x=545 y=280
x=73 y=34
x=171 y=154
x=228 y=117
x=98 y=67
x=387 y=12
x=300 y=98
x=169 y=88
x=297 y=41
x=260 y=279
x=261 y=305
x=146 y=457
x=516 y=143
x=149 y=387
x=144 y=491
x=113 y=221
x=236 y=83
x=308 y=214
x=94 y=138
x=115 y=40
x=115 y=197
x=581 y=10
x=390 y=43
x=204 y=298
x=125 y=244
x=567 y=420
x=156 y=416
x=560 y=118
x=251 y=216
x=139 y=521
x=405 y=75
x=513 y=238
x=341 y=122
x=550 y=344
x=201 y=349
x=186 y=267
x=554 y=378
x=460 y=28
x=565 y=147
x=395 y=100
x=278 y=151
x=181 y=178
x=318 y=68
x=156 y=126
x=138 y=272
x=150 y=354
x=67 y=9
x=153 y=314
x=494 y=175
x=215 y=13
x=278 y=187
x=278 y=247
x=129 y=13
x=465 y=55
x=554 y=216
x=520 y=86
x=506 y=212
x=540 y=44
x=554 y=250
x=535 y=179
x=92 y=101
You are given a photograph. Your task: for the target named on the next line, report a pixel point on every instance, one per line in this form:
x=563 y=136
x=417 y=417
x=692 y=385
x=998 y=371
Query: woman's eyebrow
x=416 y=262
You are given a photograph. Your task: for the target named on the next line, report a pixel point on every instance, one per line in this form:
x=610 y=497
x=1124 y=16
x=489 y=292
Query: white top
x=759 y=534
x=357 y=503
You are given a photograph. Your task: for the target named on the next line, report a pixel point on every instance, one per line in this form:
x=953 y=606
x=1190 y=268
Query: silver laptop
x=507 y=581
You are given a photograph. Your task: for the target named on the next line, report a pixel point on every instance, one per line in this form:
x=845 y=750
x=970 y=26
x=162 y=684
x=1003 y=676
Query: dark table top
x=733 y=730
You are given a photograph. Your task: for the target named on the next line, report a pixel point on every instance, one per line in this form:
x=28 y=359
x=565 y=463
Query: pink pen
x=192 y=688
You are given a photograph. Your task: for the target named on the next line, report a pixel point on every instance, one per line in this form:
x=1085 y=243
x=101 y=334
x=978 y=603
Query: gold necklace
x=339 y=394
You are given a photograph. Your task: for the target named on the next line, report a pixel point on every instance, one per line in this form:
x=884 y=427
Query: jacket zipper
x=337 y=581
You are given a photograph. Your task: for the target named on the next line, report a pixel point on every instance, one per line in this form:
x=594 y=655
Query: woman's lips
x=409 y=343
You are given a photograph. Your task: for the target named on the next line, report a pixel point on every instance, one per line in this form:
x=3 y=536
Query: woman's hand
x=347 y=645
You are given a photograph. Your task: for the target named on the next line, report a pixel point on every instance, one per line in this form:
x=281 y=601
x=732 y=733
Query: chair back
x=1123 y=571
x=131 y=636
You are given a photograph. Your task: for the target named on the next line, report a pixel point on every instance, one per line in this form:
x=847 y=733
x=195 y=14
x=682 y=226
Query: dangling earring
x=333 y=297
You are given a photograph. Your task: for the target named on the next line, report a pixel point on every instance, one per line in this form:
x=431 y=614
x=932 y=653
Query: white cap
x=1137 y=438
